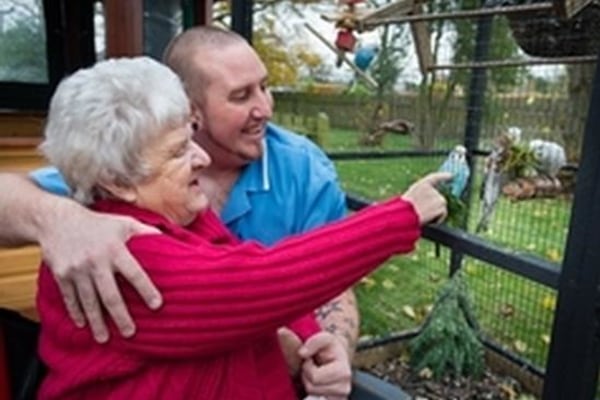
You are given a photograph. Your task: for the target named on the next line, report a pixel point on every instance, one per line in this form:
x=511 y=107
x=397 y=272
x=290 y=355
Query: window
x=162 y=21
x=41 y=41
x=22 y=42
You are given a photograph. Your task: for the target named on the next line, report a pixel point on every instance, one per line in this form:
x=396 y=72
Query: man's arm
x=340 y=317
x=326 y=202
x=83 y=260
x=19 y=202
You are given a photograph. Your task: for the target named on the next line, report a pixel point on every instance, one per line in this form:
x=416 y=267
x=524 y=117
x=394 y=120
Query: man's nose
x=263 y=106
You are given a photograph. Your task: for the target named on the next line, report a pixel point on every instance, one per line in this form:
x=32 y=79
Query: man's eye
x=238 y=96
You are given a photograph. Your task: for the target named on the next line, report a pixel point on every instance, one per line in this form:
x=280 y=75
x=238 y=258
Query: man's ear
x=121 y=192
x=196 y=117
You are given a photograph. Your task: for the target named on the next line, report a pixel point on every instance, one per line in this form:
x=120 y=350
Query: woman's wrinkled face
x=172 y=188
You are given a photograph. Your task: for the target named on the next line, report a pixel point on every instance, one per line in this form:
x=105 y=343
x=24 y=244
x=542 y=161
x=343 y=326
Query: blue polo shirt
x=292 y=188
x=49 y=179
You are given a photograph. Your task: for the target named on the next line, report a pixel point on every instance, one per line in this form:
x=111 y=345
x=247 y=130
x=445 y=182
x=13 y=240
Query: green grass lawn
x=511 y=310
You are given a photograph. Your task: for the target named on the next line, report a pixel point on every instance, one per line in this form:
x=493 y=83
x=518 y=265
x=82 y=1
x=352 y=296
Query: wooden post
x=124 y=27
x=204 y=12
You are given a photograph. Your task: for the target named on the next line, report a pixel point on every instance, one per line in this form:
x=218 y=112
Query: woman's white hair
x=101 y=117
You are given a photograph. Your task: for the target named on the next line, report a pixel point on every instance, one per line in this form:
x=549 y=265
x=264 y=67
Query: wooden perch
x=420 y=34
x=419 y=29
x=400 y=126
x=375 y=137
x=372 y=19
x=533 y=187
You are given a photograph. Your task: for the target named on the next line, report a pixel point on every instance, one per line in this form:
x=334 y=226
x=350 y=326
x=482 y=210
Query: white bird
x=514 y=133
x=550 y=157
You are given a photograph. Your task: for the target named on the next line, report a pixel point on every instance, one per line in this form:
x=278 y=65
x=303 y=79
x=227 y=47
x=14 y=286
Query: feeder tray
x=548 y=34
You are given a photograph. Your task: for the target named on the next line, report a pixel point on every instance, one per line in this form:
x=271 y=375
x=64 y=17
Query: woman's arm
x=221 y=297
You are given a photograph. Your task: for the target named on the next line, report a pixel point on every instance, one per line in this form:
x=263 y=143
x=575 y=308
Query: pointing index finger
x=436 y=178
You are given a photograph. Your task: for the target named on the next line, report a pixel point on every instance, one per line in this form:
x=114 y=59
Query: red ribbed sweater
x=214 y=337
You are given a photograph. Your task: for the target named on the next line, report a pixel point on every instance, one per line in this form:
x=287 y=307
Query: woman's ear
x=121 y=192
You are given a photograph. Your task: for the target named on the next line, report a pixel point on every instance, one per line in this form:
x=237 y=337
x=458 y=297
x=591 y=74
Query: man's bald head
x=184 y=54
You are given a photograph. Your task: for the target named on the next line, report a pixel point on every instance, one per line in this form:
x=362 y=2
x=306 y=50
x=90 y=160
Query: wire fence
x=400 y=295
x=538 y=94
x=515 y=313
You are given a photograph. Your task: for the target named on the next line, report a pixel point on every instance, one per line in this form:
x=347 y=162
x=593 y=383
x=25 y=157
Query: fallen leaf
x=388 y=284
x=507 y=310
x=409 y=311
x=428 y=308
x=368 y=282
x=509 y=390
x=471 y=269
x=526 y=397
x=425 y=373
x=393 y=268
x=554 y=255
x=549 y=302
x=546 y=338
x=520 y=346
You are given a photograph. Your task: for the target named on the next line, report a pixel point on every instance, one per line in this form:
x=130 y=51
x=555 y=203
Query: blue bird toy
x=456 y=164
x=364 y=56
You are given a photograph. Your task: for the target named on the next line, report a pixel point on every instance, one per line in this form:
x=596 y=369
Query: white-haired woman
x=120 y=133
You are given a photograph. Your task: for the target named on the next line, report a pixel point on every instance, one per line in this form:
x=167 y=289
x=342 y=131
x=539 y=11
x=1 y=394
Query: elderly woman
x=120 y=133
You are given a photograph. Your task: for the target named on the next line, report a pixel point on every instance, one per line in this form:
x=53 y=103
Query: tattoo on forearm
x=325 y=311
x=334 y=320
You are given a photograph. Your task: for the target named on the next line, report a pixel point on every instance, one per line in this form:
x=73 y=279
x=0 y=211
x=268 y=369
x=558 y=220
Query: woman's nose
x=200 y=157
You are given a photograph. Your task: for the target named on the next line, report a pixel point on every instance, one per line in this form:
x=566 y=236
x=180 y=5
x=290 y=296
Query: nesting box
x=549 y=34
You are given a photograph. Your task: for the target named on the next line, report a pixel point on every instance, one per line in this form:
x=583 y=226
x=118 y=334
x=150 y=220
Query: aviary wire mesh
x=545 y=99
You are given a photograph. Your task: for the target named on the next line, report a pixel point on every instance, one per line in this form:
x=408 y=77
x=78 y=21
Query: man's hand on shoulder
x=85 y=250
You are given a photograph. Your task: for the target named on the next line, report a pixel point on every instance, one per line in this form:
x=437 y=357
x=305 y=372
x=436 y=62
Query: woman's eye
x=182 y=150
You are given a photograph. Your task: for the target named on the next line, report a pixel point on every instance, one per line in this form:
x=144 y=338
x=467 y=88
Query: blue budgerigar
x=364 y=56
x=456 y=164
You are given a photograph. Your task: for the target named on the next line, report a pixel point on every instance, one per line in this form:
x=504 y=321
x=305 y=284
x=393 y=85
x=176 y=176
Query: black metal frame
x=241 y=18
x=535 y=268
x=575 y=348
